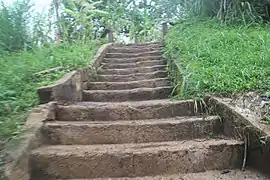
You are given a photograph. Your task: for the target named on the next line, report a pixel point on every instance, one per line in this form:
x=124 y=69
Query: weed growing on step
x=19 y=79
x=220 y=59
x=266 y=119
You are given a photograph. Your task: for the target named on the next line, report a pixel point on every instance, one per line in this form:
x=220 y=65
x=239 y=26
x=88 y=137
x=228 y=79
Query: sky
x=39 y=5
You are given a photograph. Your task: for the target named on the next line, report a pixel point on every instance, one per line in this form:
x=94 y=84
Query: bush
x=18 y=83
x=14 y=23
x=27 y=48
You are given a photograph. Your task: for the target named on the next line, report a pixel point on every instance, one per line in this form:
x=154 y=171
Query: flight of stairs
x=126 y=127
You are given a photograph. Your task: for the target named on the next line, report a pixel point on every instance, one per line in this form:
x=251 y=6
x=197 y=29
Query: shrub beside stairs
x=127 y=127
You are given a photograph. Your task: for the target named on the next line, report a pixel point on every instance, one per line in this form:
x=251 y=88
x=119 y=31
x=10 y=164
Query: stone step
x=139 y=94
x=136 y=131
x=134 y=110
x=132 y=77
x=133 y=65
x=208 y=175
x=133 y=49
x=131 y=60
x=132 y=160
x=144 y=45
x=131 y=55
x=126 y=71
x=150 y=83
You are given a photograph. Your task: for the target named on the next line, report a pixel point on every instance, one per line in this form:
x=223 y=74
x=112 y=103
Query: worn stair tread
x=127 y=94
x=130 y=55
x=143 y=45
x=128 y=90
x=134 y=148
x=126 y=71
x=208 y=175
x=132 y=65
x=175 y=120
x=132 y=60
x=134 y=49
x=129 y=84
x=136 y=53
x=135 y=68
x=135 y=74
x=134 y=131
x=132 y=104
x=132 y=77
x=136 y=159
x=128 y=110
x=137 y=104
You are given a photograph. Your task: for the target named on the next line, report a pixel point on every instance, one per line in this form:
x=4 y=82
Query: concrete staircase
x=126 y=127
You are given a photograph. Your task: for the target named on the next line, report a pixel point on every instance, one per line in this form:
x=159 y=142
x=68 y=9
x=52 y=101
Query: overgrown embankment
x=20 y=76
x=216 y=58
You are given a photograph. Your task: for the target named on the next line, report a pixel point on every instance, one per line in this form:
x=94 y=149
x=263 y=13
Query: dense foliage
x=14 y=22
x=27 y=48
x=226 y=11
x=132 y=18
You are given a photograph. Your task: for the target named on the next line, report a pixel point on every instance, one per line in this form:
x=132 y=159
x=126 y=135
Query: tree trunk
x=58 y=30
x=222 y=11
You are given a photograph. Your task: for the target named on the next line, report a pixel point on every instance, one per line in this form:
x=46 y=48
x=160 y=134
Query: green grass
x=18 y=83
x=266 y=119
x=220 y=59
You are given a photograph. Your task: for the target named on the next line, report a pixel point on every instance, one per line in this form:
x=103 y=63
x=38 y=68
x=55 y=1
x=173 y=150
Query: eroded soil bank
x=245 y=117
x=250 y=104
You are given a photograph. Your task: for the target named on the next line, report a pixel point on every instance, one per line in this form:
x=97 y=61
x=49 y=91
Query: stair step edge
x=175 y=120
x=231 y=174
x=128 y=90
x=153 y=147
x=128 y=82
